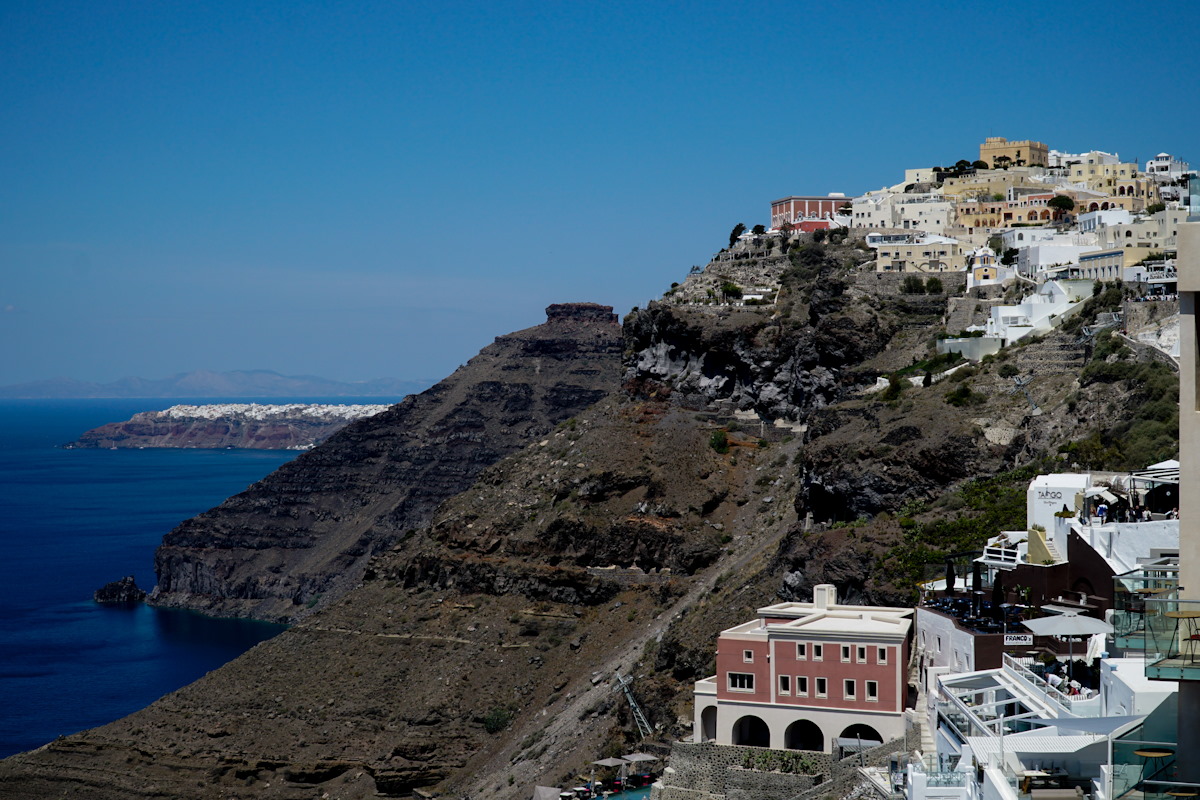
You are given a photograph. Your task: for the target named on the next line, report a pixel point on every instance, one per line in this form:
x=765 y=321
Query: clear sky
x=369 y=189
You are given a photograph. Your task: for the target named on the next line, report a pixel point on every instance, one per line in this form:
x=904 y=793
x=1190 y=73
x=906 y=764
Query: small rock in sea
x=123 y=591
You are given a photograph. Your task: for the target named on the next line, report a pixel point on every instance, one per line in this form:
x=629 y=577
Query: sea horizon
x=77 y=519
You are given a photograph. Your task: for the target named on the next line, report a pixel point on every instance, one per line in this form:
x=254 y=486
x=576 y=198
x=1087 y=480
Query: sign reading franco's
x=1016 y=639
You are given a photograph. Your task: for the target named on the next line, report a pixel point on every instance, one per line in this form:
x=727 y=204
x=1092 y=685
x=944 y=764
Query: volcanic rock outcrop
x=302 y=535
x=475 y=655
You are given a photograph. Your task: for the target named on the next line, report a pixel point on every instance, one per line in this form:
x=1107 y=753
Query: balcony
x=1131 y=592
x=1171 y=637
x=1145 y=766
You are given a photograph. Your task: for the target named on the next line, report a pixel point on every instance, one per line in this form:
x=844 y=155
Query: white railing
x=1037 y=681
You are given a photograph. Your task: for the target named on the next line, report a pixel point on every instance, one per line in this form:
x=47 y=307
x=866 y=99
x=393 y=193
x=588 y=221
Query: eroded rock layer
x=301 y=536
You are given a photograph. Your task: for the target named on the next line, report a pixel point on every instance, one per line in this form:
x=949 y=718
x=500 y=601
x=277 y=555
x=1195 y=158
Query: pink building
x=803 y=675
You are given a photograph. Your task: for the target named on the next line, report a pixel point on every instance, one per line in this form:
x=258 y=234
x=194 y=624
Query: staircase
x=1057 y=354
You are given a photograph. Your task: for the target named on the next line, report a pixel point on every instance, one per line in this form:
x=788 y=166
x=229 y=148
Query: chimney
x=824 y=596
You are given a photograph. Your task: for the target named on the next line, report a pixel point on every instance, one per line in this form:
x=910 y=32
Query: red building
x=804 y=675
x=797 y=210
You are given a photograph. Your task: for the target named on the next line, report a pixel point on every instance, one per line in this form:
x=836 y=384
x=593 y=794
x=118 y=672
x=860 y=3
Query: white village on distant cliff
x=1060 y=661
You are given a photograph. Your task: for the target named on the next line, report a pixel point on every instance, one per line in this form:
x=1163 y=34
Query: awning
x=856 y=744
x=1099 y=725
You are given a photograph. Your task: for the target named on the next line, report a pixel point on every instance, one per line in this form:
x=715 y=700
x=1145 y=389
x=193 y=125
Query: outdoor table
x=1152 y=759
x=1191 y=620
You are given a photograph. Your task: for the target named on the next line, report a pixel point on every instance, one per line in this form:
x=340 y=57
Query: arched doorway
x=708 y=724
x=750 y=731
x=803 y=734
x=860 y=731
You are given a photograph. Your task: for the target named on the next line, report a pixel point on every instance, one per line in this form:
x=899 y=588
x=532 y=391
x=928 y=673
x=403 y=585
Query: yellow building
x=921 y=256
x=998 y=151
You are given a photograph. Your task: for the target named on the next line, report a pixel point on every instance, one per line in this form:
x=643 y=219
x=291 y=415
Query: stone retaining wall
x=707 y=770
x=953 y=283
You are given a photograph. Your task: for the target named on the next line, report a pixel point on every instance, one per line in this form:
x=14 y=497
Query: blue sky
x=359 y=190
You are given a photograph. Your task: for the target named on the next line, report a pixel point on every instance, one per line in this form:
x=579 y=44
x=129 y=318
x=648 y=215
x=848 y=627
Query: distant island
x=294 y=426
x=259 y=383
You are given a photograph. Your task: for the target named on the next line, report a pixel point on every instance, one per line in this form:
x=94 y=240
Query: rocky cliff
x=476 y=657
x=252 y=426
x=302 y=535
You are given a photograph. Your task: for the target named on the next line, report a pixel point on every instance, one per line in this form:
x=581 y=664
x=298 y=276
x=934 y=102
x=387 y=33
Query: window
x=801 y=651
x=848 y=689
x=861 y=655
x=801 y=686
x=939 y=639
x=845 y=652
x=872 y=691
x=741 y=682
x=881 y=656
x=822 y=687
x=785 y=684
x=748 y=656
x=819 y=650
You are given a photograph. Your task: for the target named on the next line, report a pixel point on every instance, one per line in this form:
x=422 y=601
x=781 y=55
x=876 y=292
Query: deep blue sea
x=73 y=520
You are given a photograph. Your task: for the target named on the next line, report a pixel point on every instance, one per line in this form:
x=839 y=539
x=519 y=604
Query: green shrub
x=963 y=396
x=1008 y=371
x=497 y=719
x=933 y=286
x=894 y=388
x=912 y=285
x=719 y=441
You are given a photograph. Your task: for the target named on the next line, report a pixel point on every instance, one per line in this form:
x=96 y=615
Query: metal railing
x=1037 y=681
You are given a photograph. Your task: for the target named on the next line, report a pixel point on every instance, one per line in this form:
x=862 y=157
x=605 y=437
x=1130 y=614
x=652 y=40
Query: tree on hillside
x=785 y=233
x=980 y=165
x=737 y=231
x=1061 y=205
x=759 y=230
x=1002 y=162
x=962 y=165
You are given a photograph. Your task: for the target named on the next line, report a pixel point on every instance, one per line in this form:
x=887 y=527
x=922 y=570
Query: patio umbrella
x=636 y=757
x=997 y=598
x=1068 y=626
x=950 y=577
x=606 y=762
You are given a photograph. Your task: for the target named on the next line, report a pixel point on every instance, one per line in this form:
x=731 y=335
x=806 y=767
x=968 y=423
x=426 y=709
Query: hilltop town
x=884 y=500
x=1052 y=661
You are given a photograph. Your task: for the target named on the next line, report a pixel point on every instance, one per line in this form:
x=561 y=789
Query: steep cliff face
x=301 y=536
x=779 y=361
x=475 y=657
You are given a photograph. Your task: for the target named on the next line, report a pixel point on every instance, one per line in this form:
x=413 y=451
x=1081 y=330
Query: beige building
x=923 y=254
x=987 y=183
x=998 y=151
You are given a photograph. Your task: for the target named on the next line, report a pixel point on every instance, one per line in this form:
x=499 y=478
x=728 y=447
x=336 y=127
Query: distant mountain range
x=204 y=383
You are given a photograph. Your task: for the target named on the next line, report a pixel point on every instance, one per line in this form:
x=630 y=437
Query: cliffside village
x=1059 y=661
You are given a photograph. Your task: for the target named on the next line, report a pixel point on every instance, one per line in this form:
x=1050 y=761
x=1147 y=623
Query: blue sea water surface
x=73 y=520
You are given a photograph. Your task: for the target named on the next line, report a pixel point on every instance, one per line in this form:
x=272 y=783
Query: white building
x=1091 y=221
x=1166 y=167
x=1060 y=159
x=930 y=212
x=1039 y=312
